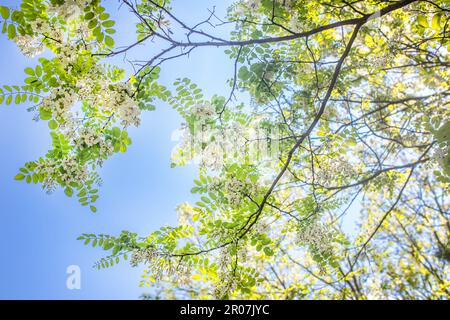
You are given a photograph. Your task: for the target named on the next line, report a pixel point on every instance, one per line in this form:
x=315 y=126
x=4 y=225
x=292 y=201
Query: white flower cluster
x=315 y=234
x=68 y=170
x=33 y=46
x=409 y=139
x=68 y=54
x=89 y=136
x=160 y=267
x=29 y=46
x=242 y=8
x=212 y=147
x=228 y=281
x=212 y=156
x=106 y=148
x=113 y=98
x=72 y=171
x=254 y=5
x=205 y=142
x=236 y=190
x=129 y=113
x=375 y=291
x=295 y=22
x=226 y=285
x=70 y=9
x=121 y=103
x=184 y=213
x=115 y=101
x=83 y=109
x=328 y=173
x=203 y=112
x=440 y=154
x=59 y=103
x=82 y=31
x=142 y=256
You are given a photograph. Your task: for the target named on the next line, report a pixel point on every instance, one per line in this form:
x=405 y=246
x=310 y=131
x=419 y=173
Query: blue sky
x=140 y=192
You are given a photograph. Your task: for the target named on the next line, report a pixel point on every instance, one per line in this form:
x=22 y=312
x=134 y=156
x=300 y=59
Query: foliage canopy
x=331 y=103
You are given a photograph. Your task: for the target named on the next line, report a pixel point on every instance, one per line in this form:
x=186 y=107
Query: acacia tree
x=348 y=103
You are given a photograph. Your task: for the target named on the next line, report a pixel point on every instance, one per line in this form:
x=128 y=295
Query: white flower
x=439 y=154
x=339 y=167
x=106 y=148
x=315 y=234
x=236 y=190
x=29 y=46
x=89 y=136
x=203 y=112
x=142 y=256
x=40 y=26
x=252 y=4
x=68 y=170
x=129 y=113
x=69 y=10
x=184 y=213
x=212 y=156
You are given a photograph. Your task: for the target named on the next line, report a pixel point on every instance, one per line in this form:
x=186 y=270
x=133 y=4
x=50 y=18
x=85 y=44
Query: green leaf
x=45 y=115
x=19 y=177
x=115 y=250
x=100 y=37
x=436 y=22
x=92 y=24
x=108 y=245
x=11 y=31
x=30 y=71
x=104 y=16
x=97 y=31
x=4 y=11
x=52 y=124
x=68 y=191
x=31 y=80
x=268 y=251
x=422 y=21
x=243 y=73
x=89 y=16
x=109 y=41
x=38 y=71
x=108 y=24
